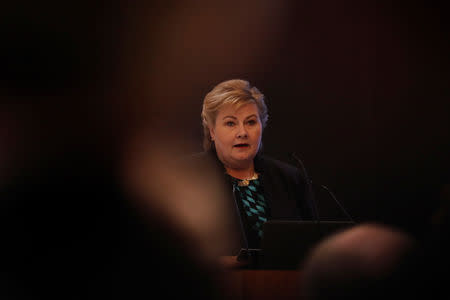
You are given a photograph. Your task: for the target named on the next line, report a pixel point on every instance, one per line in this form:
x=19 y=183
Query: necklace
x=246 y=182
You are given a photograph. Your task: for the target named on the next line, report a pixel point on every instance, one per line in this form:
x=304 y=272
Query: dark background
x=359 y=90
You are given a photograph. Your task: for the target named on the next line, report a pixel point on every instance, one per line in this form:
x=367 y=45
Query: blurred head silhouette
x=367 y=261
x=93 y=202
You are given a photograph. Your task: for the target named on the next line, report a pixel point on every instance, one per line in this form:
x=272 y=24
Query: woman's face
x=237 y=135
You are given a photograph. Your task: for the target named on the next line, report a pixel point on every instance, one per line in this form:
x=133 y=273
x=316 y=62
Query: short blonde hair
x=236 y=92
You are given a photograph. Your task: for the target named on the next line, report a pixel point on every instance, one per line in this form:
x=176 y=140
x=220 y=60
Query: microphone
x=243 y=253
x=246 y=254
x=311 y=197
x=338 y=203
x=310 y=183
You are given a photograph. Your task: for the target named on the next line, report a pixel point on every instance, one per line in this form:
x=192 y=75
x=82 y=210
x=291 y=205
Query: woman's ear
x=211 y=133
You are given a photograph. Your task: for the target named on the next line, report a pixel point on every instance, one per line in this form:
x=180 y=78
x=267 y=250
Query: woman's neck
x=241 y=173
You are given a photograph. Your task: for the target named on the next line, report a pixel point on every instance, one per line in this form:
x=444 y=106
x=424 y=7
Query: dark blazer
x=285 y=190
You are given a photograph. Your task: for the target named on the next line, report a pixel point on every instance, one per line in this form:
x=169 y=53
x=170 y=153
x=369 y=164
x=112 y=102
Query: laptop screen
x=286 y=243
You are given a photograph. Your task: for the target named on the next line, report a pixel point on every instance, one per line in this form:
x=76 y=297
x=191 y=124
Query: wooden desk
x=248 y=284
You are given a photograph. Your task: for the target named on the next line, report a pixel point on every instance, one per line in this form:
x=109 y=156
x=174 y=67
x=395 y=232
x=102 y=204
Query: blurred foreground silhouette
x=94 y=203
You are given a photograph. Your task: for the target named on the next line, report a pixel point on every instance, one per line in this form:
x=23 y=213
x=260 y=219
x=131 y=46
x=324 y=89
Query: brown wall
x=360 y=92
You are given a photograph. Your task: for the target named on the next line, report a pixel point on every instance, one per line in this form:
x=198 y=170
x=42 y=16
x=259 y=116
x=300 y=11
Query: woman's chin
x=243 y=160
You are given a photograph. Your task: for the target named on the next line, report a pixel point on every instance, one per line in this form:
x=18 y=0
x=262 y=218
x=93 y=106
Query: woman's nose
x=242 y=132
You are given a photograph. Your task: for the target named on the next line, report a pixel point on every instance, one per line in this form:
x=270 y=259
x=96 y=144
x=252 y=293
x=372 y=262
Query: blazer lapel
x=267 y=182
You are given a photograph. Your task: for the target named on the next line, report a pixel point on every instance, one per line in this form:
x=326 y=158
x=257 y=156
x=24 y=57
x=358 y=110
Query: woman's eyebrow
x=250 y=116
x=233 y=117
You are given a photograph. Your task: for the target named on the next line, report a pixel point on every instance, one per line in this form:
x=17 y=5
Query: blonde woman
x=234 y=116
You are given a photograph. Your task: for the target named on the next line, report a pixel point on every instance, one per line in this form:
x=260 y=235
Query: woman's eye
x=229 y=123
x=251 y=122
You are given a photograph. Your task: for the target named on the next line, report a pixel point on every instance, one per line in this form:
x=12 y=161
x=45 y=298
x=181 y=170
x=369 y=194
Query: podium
x=273 y=272
x=258 y=284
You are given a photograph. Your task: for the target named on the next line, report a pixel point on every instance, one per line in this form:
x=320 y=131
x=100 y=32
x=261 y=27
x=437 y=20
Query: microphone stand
x=338 y=203
x=243 y=253
x=248 y=255
x=310 y=183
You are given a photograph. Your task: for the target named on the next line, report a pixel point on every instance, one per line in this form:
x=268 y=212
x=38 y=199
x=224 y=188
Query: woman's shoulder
x=268 y=163
x=276 y=170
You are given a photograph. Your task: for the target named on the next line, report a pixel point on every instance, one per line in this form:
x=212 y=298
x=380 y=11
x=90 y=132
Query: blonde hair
x=236 y=92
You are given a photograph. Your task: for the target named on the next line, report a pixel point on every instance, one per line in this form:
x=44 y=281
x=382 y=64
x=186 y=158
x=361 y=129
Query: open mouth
x=241 y=145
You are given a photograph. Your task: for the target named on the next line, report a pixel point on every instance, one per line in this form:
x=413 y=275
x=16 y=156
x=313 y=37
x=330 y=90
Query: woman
x=261 y=188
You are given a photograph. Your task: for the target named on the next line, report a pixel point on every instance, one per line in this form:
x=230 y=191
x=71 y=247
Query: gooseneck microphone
x=246 y=254
x=308 y=181
x=243 y=232
x=338 y=203
x=310 y=184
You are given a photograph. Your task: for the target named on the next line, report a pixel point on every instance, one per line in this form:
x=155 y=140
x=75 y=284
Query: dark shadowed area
x=358 y=90
x=93 y=93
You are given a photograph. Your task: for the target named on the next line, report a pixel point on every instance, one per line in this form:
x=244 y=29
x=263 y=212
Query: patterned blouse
x=253 y=208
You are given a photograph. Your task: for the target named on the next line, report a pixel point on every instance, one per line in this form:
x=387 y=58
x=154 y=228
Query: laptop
x=286 y=243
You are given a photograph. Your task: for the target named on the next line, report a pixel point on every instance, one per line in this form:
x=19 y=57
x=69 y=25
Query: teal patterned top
x=253 y=209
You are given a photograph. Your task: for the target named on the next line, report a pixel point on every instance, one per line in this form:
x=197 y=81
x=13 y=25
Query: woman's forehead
x=241 y=108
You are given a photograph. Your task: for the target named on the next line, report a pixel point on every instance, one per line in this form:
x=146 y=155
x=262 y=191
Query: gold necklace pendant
x=246 y=182
x=243 y=182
